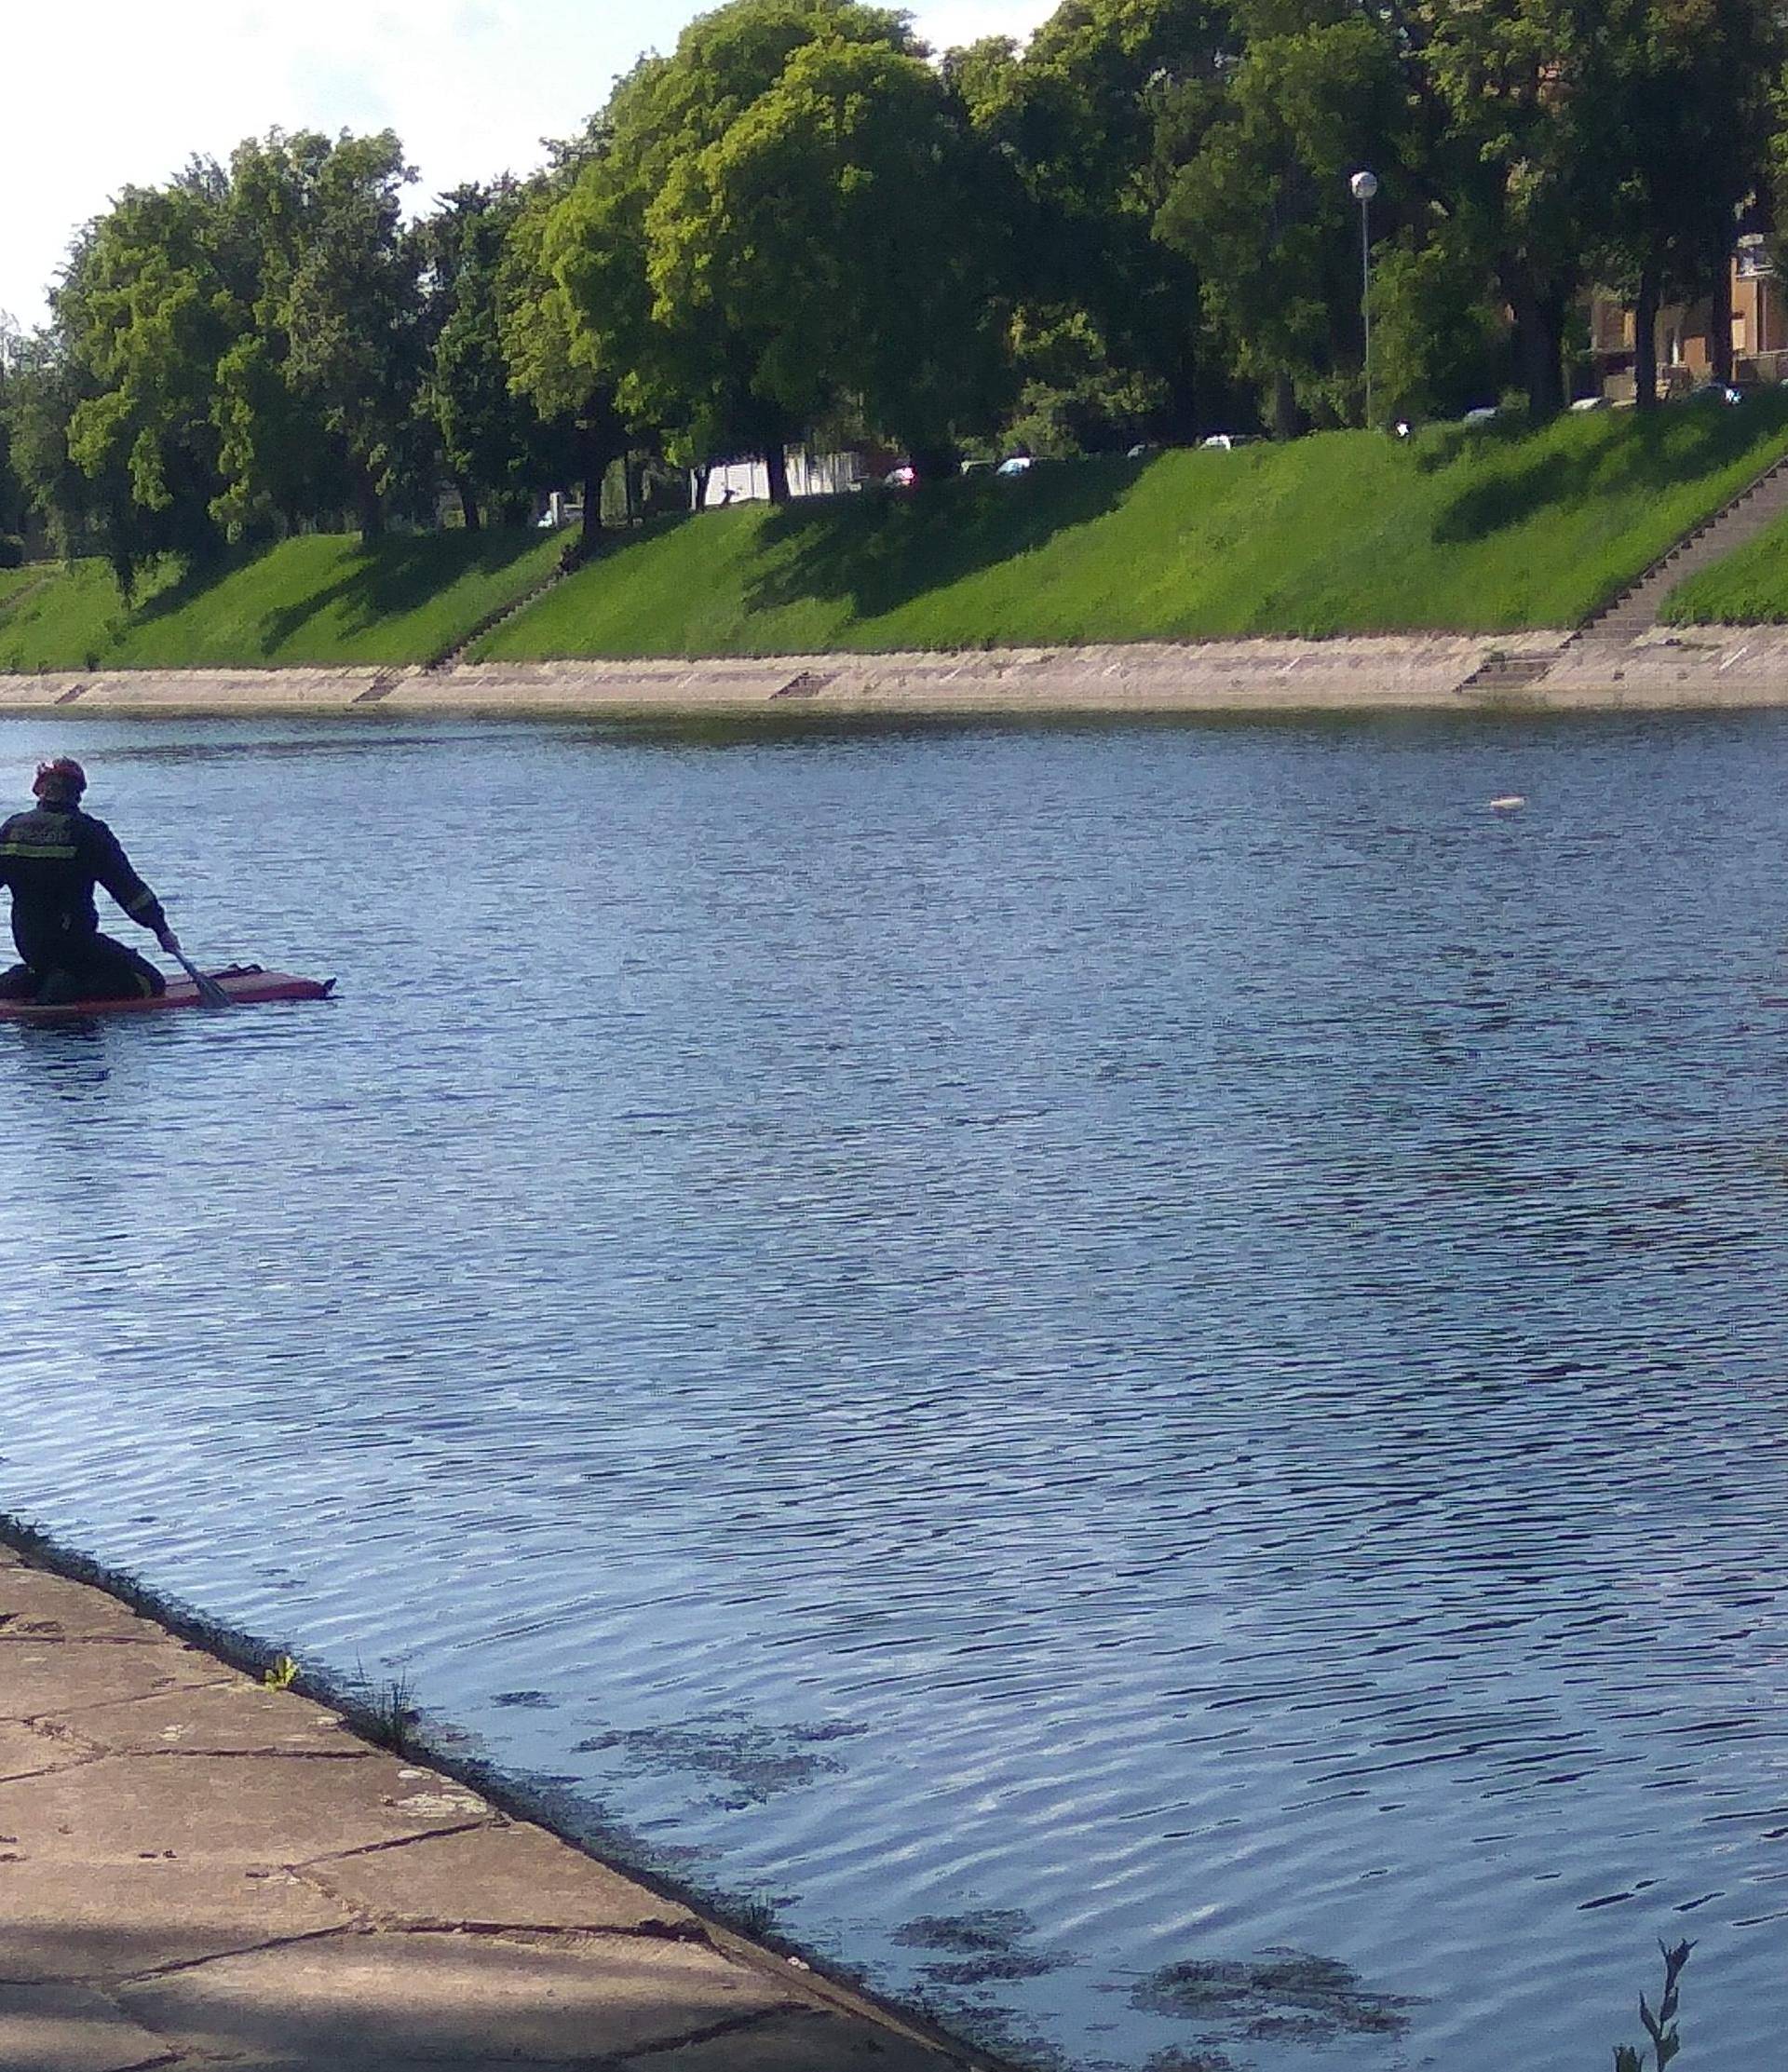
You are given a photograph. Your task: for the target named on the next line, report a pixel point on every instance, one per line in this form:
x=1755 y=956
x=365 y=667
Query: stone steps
x=1634 y=612
x=1507 y=672
x=450 y=657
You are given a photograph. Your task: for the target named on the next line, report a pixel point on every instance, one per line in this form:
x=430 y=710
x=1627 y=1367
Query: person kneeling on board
x=51 y=859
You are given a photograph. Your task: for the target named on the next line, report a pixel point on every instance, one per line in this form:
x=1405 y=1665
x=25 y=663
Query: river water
x=1136 y=1371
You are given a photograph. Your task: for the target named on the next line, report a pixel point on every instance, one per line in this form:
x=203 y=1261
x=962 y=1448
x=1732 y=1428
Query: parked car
x=1015 y=464
x=1482 y=415
x=903 y=477
x=1220 y=443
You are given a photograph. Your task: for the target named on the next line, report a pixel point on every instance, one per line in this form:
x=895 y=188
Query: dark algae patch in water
x=1280 y=1995
x=754 y=1761
x=981 y=1947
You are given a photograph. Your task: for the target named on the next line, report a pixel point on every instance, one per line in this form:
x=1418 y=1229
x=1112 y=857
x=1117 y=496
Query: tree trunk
x=368 y=508
x=601 y=441
x=1645 y=341
x=1719 y=321
x=699 y=499
x=1539 y=347
x=1286 y=414
x=595 y=454
x=775 y=466
x=1180 y=423
x=467 y=503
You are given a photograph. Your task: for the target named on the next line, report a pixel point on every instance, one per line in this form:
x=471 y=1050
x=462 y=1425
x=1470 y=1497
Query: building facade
x=1683 y=335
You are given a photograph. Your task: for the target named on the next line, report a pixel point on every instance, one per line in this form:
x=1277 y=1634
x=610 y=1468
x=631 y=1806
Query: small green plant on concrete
x=281 y=1674
x=1662 y=2027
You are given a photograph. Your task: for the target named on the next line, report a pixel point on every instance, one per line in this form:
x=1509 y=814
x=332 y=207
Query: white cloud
x=112 y=92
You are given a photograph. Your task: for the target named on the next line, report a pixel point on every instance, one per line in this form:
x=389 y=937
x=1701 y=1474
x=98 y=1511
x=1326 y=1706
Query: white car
x=1015 y=464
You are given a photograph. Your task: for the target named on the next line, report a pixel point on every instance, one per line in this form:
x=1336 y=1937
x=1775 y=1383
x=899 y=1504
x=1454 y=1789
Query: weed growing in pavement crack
x=1661 y=2026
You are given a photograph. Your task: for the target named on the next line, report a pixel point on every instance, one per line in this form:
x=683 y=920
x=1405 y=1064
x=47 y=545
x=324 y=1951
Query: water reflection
x=1136 y=1369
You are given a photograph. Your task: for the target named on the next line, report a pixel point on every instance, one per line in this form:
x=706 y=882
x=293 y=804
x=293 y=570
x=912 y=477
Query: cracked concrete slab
x=59 y=1679
x=27 y=1751
x=248 y=1809
x=71 y=2029
x=41 y=1606
x=62 y=1922
x=414 y=2000
x=236 y=1718
x=509 y=1874
x=252 y=1885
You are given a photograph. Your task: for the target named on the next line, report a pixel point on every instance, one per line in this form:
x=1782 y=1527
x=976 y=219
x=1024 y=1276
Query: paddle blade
x=210 y=994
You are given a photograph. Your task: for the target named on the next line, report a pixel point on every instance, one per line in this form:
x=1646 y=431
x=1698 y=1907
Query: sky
x=99 y=94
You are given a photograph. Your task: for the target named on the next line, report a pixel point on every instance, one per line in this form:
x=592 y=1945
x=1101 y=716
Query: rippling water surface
x=1083 y=1356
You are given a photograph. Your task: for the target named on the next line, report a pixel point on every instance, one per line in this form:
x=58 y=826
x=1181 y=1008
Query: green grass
x=1345 y=533
x=1748 y=587
x=1465 y=530
x=320 y=599
x=13 y=581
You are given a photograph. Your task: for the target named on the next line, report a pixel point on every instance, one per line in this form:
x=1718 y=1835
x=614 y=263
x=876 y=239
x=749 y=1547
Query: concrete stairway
x=450 y=657
x=1636 y=610
x=1507 y=672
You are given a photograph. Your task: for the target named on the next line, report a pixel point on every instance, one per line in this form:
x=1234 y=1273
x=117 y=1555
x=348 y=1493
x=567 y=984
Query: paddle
x=210 y=994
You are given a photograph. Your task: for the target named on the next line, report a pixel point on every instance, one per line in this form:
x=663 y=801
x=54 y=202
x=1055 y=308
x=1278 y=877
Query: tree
x=493 y=440
x=1523 y=88
x=636 y=325
x=14 y=500
x=1439 y=336
x=1084 y=129
x=1263 y=210
x=557 y=351
x=827 y=236
x=1689 y=120
x=351 y=318
x=317 y=397
x=142 y=313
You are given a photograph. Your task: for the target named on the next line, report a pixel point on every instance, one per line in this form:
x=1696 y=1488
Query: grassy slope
x=1470 y=529
x=323 y=599
x=1749 y=587
x=12 y=580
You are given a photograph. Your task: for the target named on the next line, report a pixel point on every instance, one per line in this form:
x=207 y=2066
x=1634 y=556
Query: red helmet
x=63 y=778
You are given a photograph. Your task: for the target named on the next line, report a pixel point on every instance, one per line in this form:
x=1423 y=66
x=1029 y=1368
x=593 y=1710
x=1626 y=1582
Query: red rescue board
x=246 y=985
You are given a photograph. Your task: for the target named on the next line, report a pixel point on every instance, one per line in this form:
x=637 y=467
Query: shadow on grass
x=395 y=577
x=190 y=583
x=1612 y=457
x=879 y=551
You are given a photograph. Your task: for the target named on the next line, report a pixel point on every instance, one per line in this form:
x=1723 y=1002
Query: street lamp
x=1363 y=186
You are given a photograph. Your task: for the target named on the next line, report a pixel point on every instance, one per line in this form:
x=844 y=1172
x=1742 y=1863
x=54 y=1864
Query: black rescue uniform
x=51 y=859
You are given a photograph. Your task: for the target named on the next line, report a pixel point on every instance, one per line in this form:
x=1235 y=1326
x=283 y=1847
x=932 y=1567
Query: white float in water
x=1510 y=802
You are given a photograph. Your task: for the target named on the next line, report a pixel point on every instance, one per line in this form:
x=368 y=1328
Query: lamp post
x=1363 y=186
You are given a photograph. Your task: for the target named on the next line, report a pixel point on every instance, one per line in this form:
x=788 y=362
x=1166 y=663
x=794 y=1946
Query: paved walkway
x=197 y=1870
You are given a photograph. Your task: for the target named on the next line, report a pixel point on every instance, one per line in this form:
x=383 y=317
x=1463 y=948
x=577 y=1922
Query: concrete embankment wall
x=1227 y=675
x=1711 y=666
